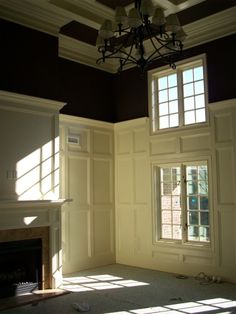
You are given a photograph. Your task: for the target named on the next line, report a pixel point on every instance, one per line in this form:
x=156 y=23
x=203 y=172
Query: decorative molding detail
x=81 y=52
x=73 y=121
x=9 y=100
x=222 y=105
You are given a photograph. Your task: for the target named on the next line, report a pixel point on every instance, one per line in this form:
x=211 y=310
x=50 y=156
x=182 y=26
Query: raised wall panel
x=79 y=235
x=140 y=180
x=194 y=143
x=125 y=231
x=163 y=146
x=102 y=181
x=140 y=140
x=79 y=180
x=142 y=230
x=124 y=142
x=227 y=230
x=124 y=180
x=223 y=127
x=197 y=260
x=164 y=257
x=102 y=142
x=103 y=233
x=226 y=175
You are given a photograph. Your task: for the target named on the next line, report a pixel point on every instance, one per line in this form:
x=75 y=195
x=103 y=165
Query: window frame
x=164 y=71
x=156 y=187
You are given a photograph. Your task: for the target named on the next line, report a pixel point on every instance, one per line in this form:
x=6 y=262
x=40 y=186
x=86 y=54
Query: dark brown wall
x=30 y=65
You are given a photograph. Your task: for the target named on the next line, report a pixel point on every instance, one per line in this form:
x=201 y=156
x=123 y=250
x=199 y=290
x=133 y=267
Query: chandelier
x=141 y=37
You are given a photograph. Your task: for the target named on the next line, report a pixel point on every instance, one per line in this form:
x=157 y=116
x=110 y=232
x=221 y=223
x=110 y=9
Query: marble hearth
x=21 y=220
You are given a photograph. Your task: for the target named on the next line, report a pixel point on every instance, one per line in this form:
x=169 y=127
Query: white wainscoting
x=135 y=153
x=87 y=177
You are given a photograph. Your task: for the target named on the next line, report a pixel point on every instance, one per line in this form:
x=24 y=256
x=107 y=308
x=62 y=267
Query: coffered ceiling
x=76 y=22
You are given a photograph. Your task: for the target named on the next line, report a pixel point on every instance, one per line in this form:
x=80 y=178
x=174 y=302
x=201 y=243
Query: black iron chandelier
x=143 y=26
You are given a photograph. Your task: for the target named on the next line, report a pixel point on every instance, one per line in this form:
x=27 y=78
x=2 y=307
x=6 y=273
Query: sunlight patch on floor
x=98 y=282
x=203 y=306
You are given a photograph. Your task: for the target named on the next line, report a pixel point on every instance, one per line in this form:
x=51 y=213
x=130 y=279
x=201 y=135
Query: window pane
x=193 y=233
x=188 y=90
x=164 y=122
x=166 y=202
x=199 y=87
x=176 y=202
x=198 y=73
x=163 y=109
x=174 y=120
x=173 y=93
x=200 y=101
x=187 y=76
x=173 y=106
x=204 y=218
x=193 y=218
x=172 y=80
x=166 y=217
x=188 y=103
x=192 y=187
x=177 y=217
x=189 y=117
x=162 y=82
x=204 y=203
x=163 y=95
x=192 y=173
x=166 y=232
x=204 y=234
x=192 y=202
x=177 y=233
x=166 y=188
x=200 y=115
x=203 y=187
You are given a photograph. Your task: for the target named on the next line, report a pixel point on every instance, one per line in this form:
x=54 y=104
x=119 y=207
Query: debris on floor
x=81 y=307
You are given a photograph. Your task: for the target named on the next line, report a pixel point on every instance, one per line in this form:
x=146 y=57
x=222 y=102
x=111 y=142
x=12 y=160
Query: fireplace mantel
x=23 y=215
x=32 y=203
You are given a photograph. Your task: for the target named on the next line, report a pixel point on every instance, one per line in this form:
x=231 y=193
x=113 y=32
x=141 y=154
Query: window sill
x=180 y=129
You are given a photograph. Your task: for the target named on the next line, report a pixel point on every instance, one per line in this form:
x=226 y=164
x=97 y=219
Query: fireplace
x=32 y=229
x=20 y=267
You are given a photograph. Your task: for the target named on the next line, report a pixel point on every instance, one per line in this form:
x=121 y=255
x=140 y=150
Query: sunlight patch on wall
x=38 y=173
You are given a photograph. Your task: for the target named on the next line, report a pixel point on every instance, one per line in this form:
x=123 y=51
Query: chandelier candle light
x=144 y=22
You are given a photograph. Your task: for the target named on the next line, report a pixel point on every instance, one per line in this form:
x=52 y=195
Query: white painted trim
x=222 y=105
x=73 y=120
x=9 y=99
x=131 y=123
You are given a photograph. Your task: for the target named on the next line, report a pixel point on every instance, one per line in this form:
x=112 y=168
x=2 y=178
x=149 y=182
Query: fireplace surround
x=26 y=220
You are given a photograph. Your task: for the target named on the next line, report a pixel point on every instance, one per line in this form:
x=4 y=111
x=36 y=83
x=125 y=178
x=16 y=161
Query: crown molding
x=81 y=52
x=9 y=100
x=68 y=119
x=215 y=26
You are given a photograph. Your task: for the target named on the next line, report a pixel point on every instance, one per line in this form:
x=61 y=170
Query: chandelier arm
x=164 y=43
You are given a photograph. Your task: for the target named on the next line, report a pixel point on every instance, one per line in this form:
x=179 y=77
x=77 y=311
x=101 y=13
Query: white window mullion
x=184 y=205
x=180 y=98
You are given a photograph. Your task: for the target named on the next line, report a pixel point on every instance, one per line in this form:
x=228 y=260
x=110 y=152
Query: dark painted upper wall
x=30 y=65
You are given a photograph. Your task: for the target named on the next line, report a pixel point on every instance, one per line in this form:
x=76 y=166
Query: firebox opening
x=20 y=267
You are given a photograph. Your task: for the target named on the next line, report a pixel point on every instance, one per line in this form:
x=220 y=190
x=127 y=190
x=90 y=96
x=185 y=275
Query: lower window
x=182 y=202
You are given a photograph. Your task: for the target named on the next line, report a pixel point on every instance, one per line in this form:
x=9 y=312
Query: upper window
x=178 y=96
